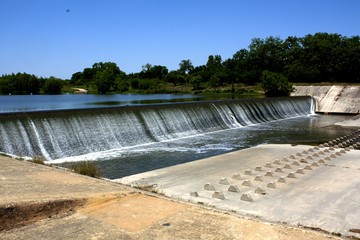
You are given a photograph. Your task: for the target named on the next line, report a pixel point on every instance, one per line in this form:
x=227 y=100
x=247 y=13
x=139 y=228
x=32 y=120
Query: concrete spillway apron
x=298 y=185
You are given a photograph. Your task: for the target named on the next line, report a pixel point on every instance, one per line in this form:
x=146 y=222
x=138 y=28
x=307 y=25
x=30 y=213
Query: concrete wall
x=332 y=99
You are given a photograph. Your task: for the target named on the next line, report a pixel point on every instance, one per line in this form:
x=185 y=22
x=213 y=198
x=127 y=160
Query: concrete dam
x=66 y=133
x=332 y=99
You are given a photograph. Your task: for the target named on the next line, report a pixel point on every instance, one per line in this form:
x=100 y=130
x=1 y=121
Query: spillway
x=67 y=133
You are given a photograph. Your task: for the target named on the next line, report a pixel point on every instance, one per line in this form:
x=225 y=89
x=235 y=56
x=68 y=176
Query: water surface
x=23 y=103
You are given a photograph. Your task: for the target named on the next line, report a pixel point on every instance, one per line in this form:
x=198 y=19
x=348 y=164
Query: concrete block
x=327 y=159
x=247 y=183
x=347 y=149
x=342 y=151
x=292 y=157
x=315 y=164
x=285 y=159
x=295 y=163
x=321 y=146
x=269 y=174
x=341 y=145
x=332 y=156
x=300 y=171
x=209 y=187
x=309 y=158
x=258 y=168
x=236 y=176
x=310 y=150
x=246 y=197
x=278 y=170
x=298 y=154
x=351 y=147
x=282 y=180
x=304 y=152
x=287 y=166
x=271 y=185
x=326 y=151
x=326 y=145
x=218 y=195
x=338 y=154
x=248 y=172
x=321 y=153
x=291 y=175
x=316 y=148
x=259 y=190
x=331 y=148
x=315 y=155
x=268 y=165
x=194 y=194
x=233 y=188
x=307 y=167
x=259 y=178
x=277 y=162
x=223 y=181
x=321 y=161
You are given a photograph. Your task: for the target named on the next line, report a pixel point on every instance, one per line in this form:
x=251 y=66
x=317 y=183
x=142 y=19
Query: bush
x=86 y=168
x=38 y=160
x=275 y=84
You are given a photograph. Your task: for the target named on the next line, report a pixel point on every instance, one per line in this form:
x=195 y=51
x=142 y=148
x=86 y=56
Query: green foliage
x=53 y=86
x=195 y=81
x=86 y=168
x=20 y=83
x=151 y=72
x=185 y=67
x=275 y=84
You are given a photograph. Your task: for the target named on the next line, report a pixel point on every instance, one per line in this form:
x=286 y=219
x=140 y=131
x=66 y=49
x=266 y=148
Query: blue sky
x=60 y=37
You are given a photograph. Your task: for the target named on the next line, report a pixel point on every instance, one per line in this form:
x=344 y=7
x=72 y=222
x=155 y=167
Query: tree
x=52 y=86
x=185 y=66
x=156 y=71
x=105 y=75
x=275 y=84
x=195 y=81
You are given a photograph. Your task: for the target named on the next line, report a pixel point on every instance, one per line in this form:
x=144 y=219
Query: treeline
x=23 y=83
x=274 y=62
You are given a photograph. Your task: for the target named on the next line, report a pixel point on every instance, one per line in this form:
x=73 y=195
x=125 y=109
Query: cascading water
x=63 y=134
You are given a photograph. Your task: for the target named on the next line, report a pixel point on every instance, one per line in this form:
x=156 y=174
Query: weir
x=67 y=133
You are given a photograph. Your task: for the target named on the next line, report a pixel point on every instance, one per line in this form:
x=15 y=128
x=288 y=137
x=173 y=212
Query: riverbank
x=41 y=202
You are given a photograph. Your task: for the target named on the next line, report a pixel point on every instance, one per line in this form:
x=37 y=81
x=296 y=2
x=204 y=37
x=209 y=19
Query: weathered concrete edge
x=335 y=99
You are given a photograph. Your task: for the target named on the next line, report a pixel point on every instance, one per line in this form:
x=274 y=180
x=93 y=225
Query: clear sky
x=61 y=37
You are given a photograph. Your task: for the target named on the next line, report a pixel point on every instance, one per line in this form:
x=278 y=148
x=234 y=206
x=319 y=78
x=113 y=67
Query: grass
x=87 y=168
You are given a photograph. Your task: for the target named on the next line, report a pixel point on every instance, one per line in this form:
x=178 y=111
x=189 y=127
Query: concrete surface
x=324 y=194
x=41 y=202
x=332 y=99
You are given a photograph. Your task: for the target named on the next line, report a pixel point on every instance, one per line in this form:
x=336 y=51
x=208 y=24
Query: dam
x=306 y=180
x=135 y=139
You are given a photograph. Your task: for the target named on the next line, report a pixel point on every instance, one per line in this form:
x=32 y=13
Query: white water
x=109 y=133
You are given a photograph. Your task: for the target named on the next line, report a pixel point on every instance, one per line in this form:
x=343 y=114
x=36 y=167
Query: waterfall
x=61 y=134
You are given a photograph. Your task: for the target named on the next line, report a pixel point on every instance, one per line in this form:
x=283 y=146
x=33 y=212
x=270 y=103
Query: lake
x=23 y=103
